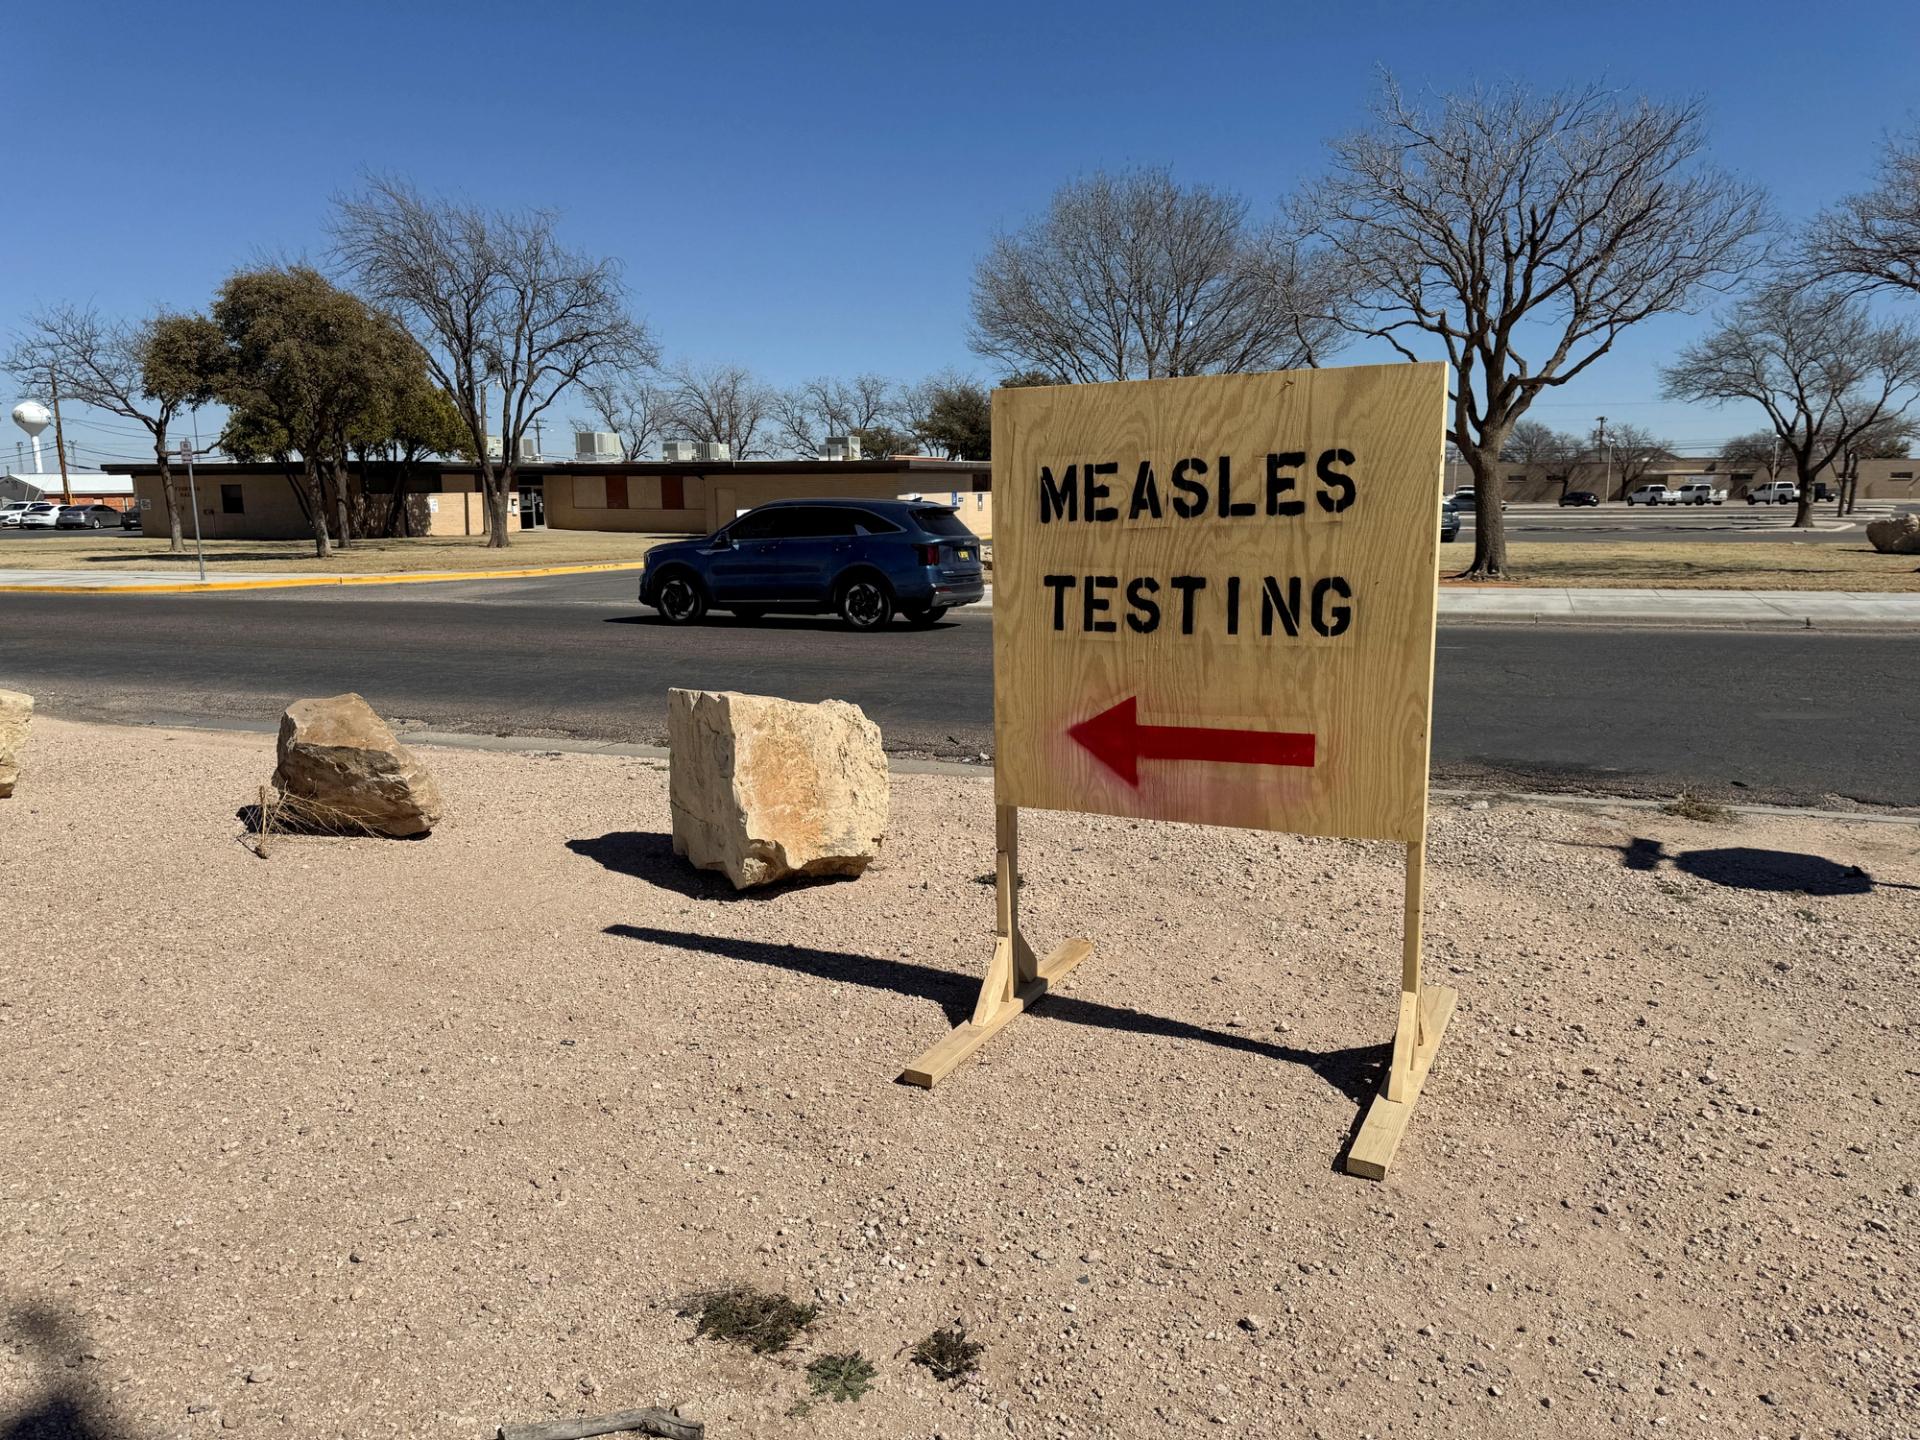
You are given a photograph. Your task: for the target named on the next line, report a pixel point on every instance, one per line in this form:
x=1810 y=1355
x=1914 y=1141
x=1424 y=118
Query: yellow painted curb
x=182 y=587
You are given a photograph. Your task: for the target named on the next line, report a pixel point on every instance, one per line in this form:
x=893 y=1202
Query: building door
x=533 y=506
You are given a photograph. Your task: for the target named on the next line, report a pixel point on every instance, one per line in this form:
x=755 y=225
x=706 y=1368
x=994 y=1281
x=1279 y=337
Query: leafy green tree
x=305 y=362
x=951 y=415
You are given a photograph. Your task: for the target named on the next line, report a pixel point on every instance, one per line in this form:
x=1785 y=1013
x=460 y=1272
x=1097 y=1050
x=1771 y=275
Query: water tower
x=33 y=417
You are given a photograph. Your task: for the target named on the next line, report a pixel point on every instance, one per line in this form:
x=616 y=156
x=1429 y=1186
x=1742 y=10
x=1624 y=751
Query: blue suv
x=861 y=559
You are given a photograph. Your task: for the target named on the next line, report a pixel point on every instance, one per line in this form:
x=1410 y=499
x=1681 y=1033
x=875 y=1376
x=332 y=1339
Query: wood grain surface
x=1300 y=602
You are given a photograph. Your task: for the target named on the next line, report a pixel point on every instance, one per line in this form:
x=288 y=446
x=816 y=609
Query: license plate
x=963 y=554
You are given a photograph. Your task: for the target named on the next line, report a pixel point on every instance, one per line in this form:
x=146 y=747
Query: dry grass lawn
x=1678 y=565
x=530 y=548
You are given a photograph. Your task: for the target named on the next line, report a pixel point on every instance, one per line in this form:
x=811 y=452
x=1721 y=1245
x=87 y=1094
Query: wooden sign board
x=1214 y=602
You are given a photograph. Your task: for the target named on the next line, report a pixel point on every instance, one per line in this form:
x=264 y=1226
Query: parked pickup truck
x=1655 y=494
x=1774 y=492
x=1697 y=492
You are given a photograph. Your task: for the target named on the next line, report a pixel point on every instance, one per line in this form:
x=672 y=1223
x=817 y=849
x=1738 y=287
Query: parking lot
x=1731 y=523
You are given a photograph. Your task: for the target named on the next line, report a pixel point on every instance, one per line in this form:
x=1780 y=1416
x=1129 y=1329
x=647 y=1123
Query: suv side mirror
x=722 y=541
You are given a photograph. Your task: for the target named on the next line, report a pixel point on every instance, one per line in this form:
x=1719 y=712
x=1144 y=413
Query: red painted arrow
x=1118 y=741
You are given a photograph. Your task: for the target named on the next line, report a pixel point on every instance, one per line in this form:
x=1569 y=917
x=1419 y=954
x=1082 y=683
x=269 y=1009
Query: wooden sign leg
x=1015 y=980
x=1424 y=1012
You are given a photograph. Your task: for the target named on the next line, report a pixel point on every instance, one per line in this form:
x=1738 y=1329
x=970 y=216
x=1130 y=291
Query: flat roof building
x=265 y=502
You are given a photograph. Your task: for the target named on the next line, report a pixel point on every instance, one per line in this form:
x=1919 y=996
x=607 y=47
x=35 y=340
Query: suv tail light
x=929 y=554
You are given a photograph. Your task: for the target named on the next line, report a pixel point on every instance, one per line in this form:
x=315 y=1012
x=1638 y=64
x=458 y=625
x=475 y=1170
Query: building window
x=1900 y=475
x=232 y=501
x=673 y=494
x=616 y=492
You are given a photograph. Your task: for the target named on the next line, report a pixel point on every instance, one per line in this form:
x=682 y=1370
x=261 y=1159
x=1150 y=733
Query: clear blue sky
x=805 y=188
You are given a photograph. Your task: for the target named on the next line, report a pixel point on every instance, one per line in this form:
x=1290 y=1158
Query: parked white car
x=1697 y=492
x=1774 y=492
x=11 y=512
x=1655 y=494
x=41 y=514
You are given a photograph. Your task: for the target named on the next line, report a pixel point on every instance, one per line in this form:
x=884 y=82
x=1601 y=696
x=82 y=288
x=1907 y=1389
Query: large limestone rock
x=16 y=714
x=1896 y=535
x=764 y=788
x=343 y=770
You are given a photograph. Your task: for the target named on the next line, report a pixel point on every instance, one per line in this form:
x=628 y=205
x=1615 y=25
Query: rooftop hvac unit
x=596 y=445
x=843 y=447
x=529 y=449
x=713 y=450
x=678 y=452
x=495 y=451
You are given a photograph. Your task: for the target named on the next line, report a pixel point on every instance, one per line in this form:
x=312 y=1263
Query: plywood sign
x=1214 y=597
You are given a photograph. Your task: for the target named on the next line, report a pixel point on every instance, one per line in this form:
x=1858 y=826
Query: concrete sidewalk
x=175 y=582
x=1746 y=609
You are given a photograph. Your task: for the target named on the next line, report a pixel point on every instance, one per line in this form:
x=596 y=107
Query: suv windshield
x=942 y=522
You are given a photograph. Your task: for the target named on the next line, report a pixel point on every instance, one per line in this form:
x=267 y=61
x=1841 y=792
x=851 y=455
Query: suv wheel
x=865 y=602
x=680 y=600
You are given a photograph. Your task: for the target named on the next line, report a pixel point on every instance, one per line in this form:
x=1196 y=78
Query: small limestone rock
x=16 y=714
x=340 y=759
x=763 y=789
x=1895 y=535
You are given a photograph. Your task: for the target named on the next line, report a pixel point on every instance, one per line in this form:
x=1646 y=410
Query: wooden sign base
x=1016 y=981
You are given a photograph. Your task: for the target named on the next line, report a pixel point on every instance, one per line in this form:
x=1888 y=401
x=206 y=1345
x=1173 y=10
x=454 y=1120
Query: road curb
x=303 y=581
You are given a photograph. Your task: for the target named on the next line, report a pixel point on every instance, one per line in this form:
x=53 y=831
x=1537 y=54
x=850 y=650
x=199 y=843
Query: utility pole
x=193 y=499
x=538 y=440
x=59 y=440
x=1600 y=440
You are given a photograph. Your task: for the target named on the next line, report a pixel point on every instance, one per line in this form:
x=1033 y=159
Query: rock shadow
x=1355 y=1072
x=648 y=855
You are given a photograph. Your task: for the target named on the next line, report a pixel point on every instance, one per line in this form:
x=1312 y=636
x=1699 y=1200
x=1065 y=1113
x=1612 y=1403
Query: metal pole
x=193 y=499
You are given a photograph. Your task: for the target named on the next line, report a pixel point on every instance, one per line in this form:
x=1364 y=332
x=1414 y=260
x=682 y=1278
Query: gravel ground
x=387 y=1138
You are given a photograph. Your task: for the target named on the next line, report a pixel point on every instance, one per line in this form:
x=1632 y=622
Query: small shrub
x=1692 y=807
x=949 y=1354
x=841 y=1377
x=765 y=1323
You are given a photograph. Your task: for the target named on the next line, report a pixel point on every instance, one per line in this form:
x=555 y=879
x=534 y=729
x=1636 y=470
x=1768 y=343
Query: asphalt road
x=1784 y=718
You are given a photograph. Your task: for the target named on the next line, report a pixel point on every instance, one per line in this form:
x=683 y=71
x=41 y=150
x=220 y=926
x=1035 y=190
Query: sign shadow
x=1354 y=1072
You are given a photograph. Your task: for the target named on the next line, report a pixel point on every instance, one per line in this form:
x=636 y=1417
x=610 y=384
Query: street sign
x=186 y=449
x=1214 y=602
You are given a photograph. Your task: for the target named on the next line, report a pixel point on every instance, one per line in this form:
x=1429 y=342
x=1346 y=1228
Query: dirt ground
x=364 y=557
x=389 y=1138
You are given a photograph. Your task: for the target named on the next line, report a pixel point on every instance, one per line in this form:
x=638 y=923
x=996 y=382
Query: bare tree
x=808 y=413
x=1813 y=360
x=1759 y=449
x=632 y=407
x=146 y=372
x=1133 y=276
x=1631 y=452
x=721 y=403
x=1889 y=438
x=1541 y=449
x=499 y=307
x=1871 y=241
x=1524 y=233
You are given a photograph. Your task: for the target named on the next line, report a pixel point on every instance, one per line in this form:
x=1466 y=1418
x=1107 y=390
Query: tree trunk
x=1489 y=525
x=317 y=504
x=177 y=544
x=1803 y=514
x=499 y=486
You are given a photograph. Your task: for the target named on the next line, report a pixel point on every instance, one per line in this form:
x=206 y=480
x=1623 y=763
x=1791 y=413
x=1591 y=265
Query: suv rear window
x=942 y=522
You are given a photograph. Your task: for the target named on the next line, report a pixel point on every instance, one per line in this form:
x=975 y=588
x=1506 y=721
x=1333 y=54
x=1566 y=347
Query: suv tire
x=921 y=617
x=679 y=598
x=865 y=602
